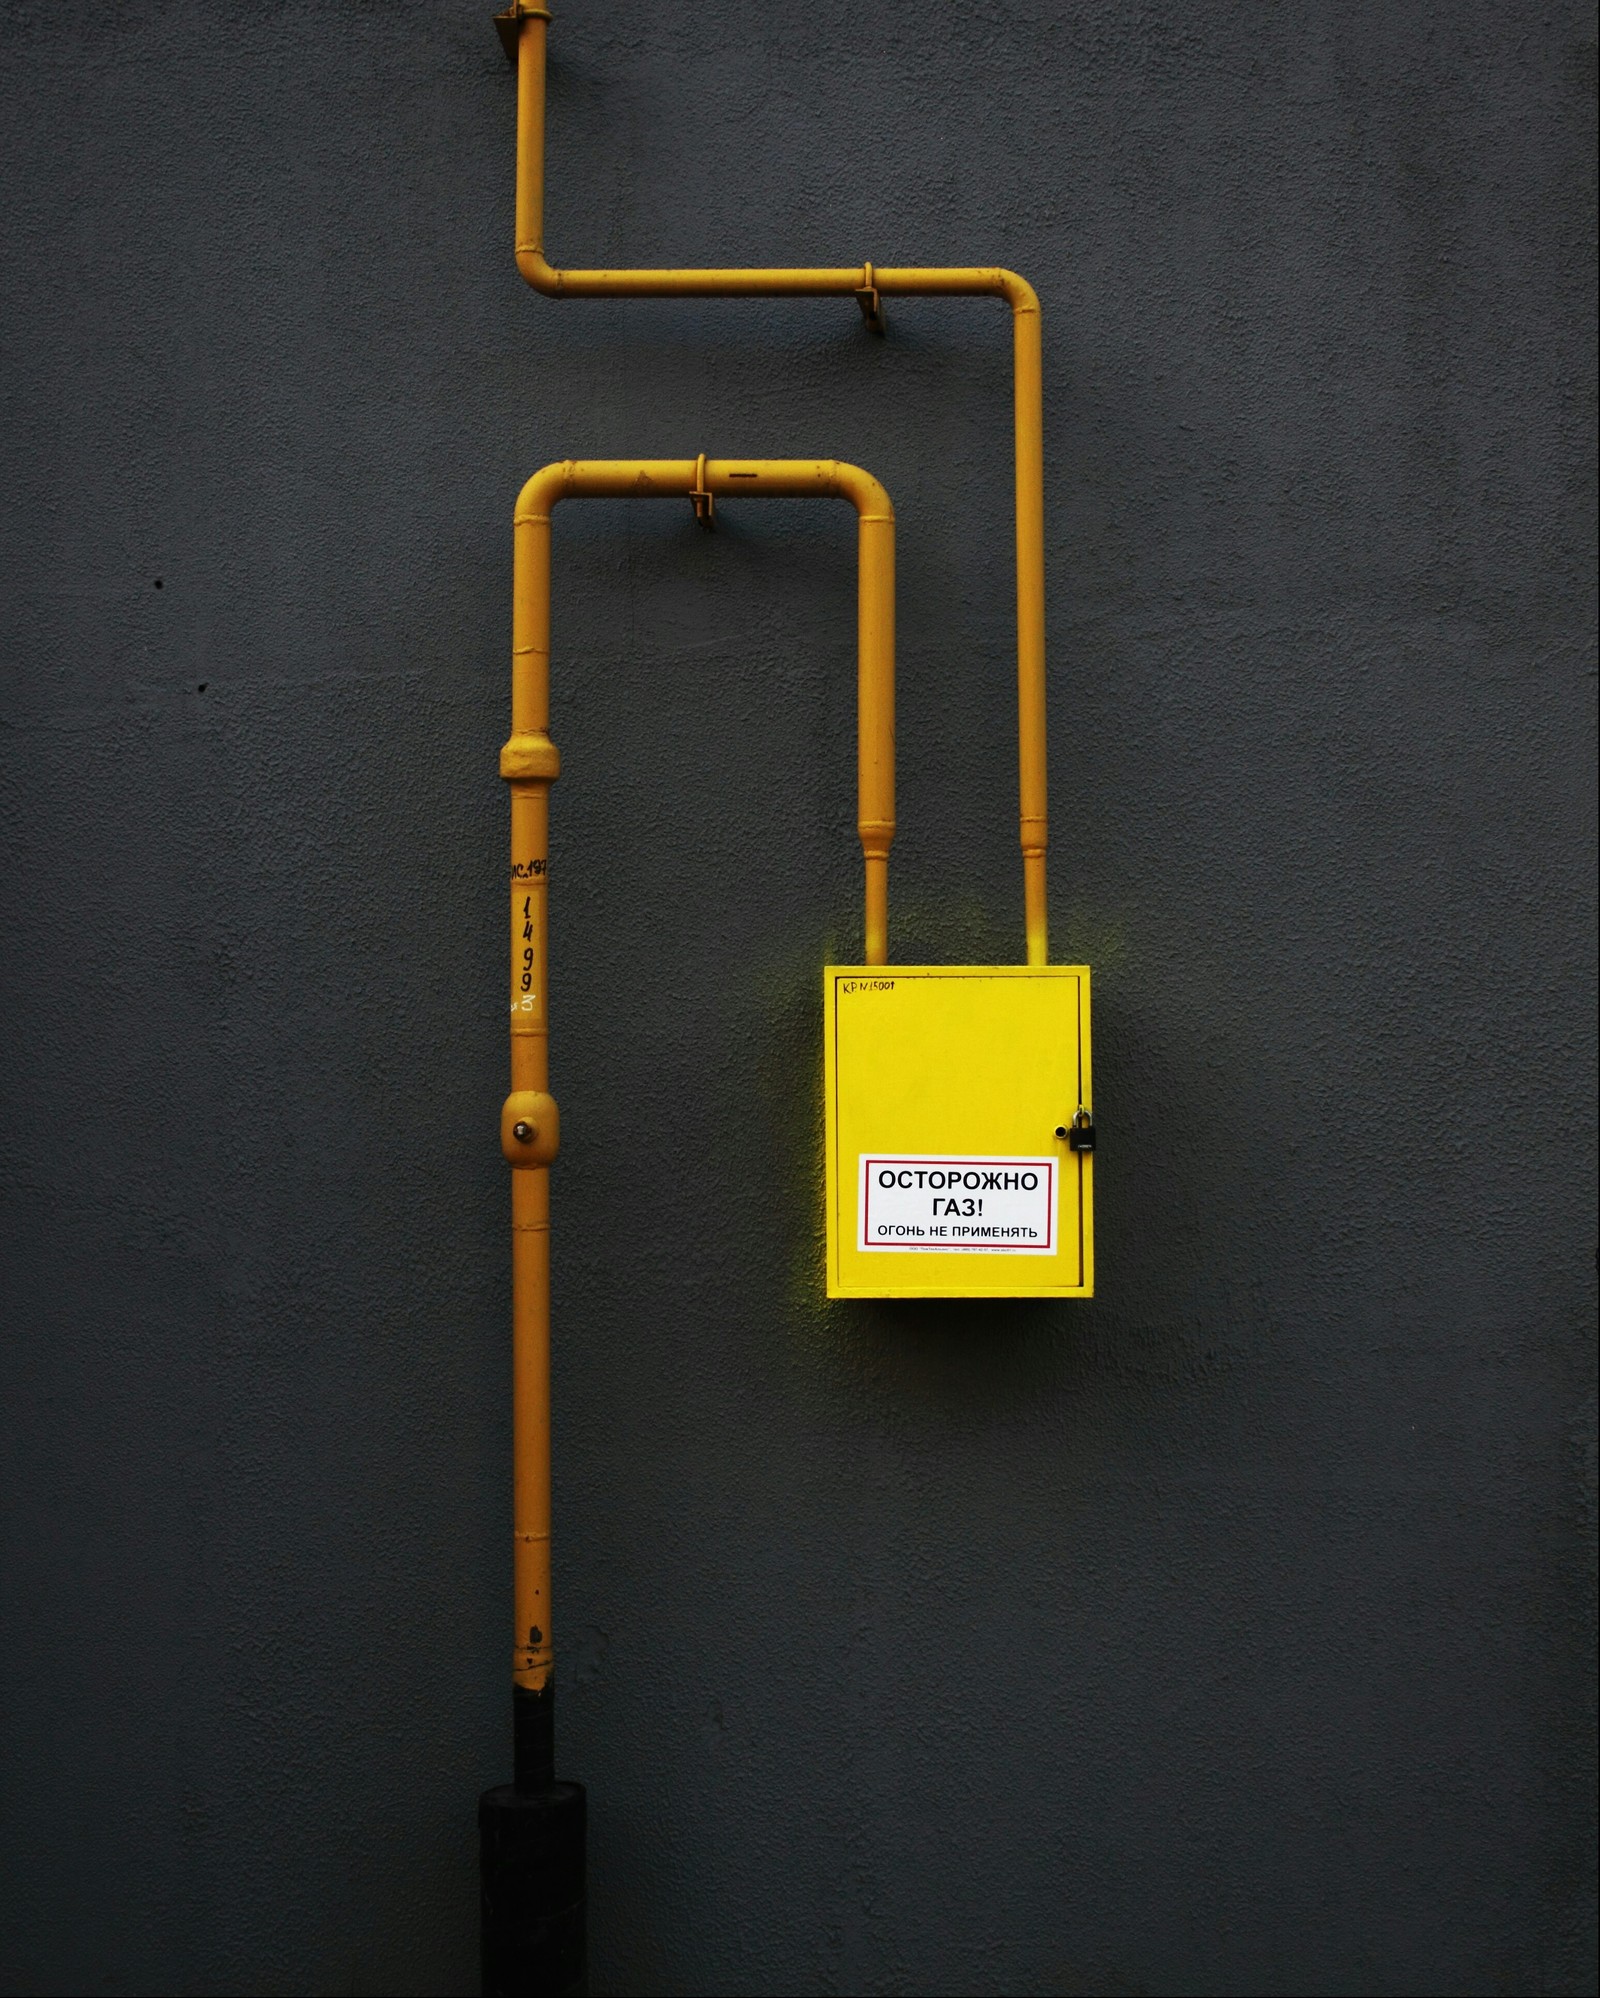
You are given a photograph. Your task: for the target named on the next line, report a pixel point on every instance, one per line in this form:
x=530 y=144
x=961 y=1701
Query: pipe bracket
x=701 y=499
x=870 y=299
x=508 y=26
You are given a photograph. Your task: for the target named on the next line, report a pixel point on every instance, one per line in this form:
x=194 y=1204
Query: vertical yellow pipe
x=875 y=717
x=1032 y=756
x=533 y=1653
x=530 y=1245
x=534 y=28
x=530 y=763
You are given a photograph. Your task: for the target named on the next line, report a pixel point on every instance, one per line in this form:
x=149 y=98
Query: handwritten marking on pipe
x=527 y=947
x=974 y=1206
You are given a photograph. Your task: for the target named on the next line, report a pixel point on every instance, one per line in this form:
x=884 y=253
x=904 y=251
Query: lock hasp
x=947 y=1086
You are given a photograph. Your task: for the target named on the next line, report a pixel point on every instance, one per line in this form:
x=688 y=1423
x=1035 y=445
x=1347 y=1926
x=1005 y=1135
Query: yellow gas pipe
x=523 y=30
x=532 y=1831
x=529 y=1131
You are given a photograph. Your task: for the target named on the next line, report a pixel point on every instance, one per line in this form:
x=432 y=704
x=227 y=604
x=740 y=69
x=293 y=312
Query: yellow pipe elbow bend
x=549 y=484
x=869 y=496
x=1017 y=292
x=538 y=271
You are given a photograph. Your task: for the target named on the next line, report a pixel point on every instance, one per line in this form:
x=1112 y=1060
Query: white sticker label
x=991 y=1207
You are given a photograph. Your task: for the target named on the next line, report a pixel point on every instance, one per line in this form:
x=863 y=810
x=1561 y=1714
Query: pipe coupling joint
x=530 y=754
x=530 y=1128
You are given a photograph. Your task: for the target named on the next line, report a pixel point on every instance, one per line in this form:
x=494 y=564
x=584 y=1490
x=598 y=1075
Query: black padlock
x=1081 y=1136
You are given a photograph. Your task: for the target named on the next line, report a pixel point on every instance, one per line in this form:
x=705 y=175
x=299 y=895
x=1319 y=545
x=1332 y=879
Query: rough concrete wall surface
x=1228 y=1634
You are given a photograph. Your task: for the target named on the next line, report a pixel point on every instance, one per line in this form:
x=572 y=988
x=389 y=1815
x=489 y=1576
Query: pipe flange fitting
x=530 y=1128
x=530 y=754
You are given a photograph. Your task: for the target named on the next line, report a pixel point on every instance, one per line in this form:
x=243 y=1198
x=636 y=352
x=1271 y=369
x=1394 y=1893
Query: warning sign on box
x=982 y=1206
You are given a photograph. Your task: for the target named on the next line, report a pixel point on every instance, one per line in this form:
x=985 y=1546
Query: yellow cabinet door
x=950 y=1090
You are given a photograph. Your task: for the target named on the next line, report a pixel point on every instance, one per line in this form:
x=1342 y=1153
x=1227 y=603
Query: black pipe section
x=531 y=1840
x=533 y=1737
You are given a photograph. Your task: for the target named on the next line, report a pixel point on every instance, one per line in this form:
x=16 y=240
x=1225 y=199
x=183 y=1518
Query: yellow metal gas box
x=960 y=1137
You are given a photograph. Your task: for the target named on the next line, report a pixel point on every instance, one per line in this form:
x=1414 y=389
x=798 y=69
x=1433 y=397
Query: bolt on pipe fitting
x=530 y=1128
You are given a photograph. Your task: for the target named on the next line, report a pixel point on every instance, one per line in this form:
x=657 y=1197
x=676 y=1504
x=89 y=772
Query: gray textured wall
x=1229 y=1634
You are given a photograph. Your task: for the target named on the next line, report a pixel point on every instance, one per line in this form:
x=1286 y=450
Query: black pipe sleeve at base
x=531 y=1856
x=533 y=1737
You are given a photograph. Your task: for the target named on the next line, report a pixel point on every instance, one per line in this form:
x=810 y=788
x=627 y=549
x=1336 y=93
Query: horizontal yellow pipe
x=530 y=764
x=864 y=281
x=767 y=281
